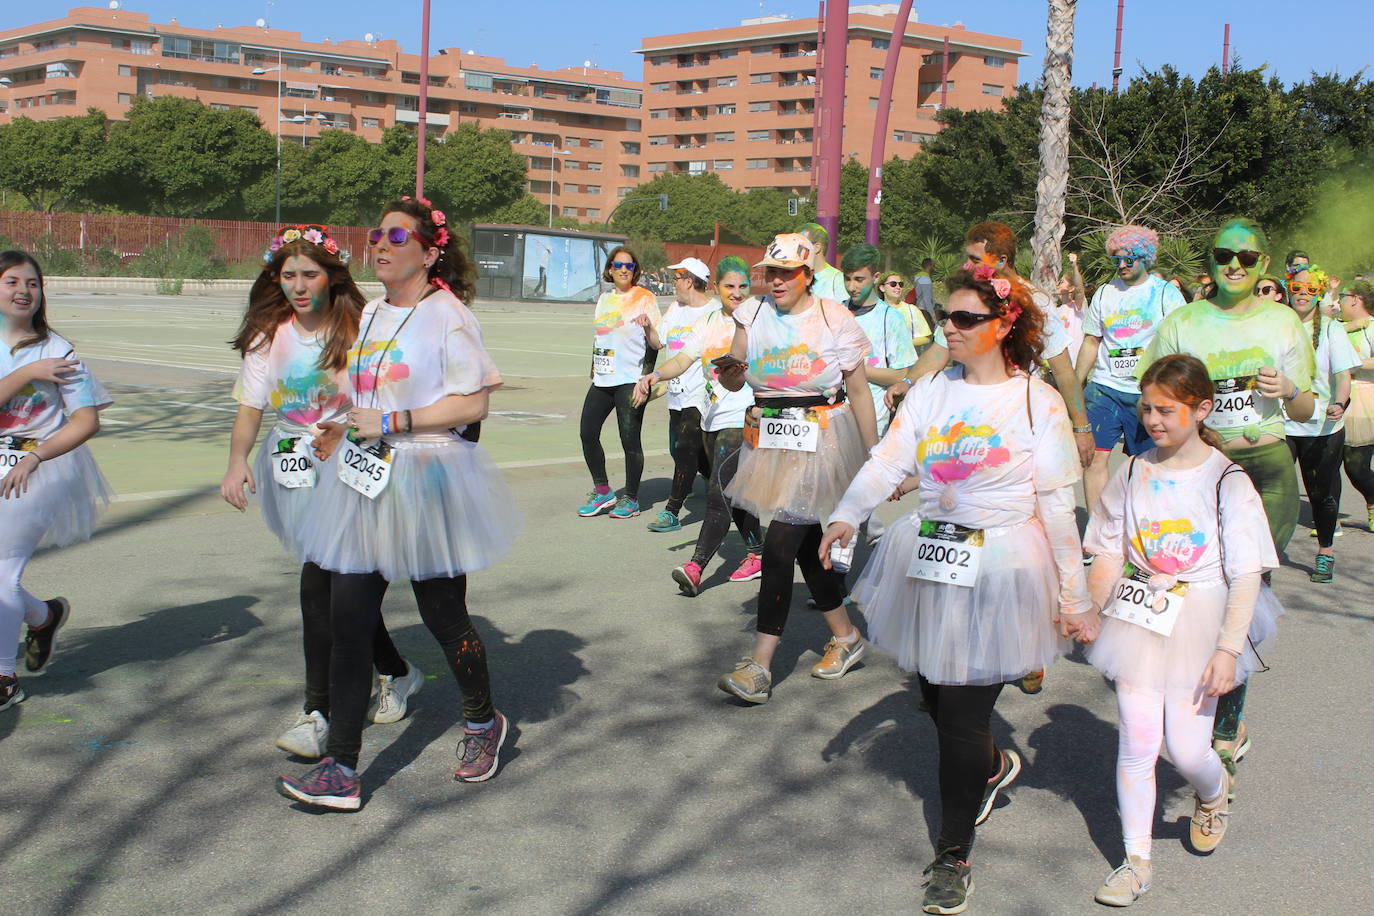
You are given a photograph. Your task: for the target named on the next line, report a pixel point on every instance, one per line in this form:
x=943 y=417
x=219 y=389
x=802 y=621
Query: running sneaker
x=749 y=570
x=688 y=578
x=838 y=657
x=1032 y=683
x=625 y=507
x=1126 y=884
x=1007 y=771
x=326 y=785
x=307 y=736
x=39 y=641
x=750 y=681
x=1325 y=570
x=1340 y=532
x=479 y=752
x=665 y=521
x=11 y=694
x=1209 y=824
x=596 y=504
x=949 y=883
x=393 y=693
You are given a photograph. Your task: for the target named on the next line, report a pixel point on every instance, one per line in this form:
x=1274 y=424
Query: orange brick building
x=738 y=101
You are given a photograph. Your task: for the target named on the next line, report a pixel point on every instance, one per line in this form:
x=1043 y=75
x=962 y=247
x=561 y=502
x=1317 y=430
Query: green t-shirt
x=1234 y=348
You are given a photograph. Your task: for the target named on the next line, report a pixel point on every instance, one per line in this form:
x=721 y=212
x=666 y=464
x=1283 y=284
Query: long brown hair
x=1185 y=379
x=268 y=306
x=452 y=268
x=15 y=258
x=1026 y=339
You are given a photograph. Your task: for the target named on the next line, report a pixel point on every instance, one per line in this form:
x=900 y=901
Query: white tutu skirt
x=800 y=487
x=283 y=508
x=445 y=512
x=1145 y=660
x=65 y=497
x=999 y=630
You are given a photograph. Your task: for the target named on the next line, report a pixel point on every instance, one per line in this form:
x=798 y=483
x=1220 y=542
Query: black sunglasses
x=1223 y=256
x=961 y=319
x=1267 y=290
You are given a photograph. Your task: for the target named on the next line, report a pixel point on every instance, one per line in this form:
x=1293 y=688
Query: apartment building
x=577 y=127
x=741 y=101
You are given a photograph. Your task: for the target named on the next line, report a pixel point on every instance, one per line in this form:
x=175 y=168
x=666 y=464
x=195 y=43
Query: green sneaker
x=665 y=521
x=1325 y=571
x=948 y=886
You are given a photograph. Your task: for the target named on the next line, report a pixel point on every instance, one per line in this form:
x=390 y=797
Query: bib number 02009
x=948 y=553
x=794 y=434
x=366 y=469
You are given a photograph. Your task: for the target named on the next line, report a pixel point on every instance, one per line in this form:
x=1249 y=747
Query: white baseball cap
x=694 y=266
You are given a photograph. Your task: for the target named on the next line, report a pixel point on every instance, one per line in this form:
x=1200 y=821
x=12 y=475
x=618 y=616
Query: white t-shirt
x=1056 y=338
x=41 y=408
x=829 y=284
x=410 y=358
x=1334 y=354
x=711 y=340
x=285 y=375
x=618 y=344
x=1170 y=525
x=803 y=355
x=890 y=336
x=688 y=389
x=1125 y=319
x=975 y=444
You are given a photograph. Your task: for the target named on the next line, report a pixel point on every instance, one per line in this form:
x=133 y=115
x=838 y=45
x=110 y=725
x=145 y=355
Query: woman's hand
x=366 y=422
x=731 y=375
x=16 y=482
x=51 y=370
x=235 y=479
x=1083 y=627
x=328 y=440
x=1274 y=384
x=837 y=531
x=642 y=388
x=1220 y=676
x=894 y=391
x=641 y=319
x=1335 y=411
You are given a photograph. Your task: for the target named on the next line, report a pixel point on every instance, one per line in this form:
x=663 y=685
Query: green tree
x=337 y=180
x=472 y=171
x=695 y=204
x=56 y=164
x=524 y=211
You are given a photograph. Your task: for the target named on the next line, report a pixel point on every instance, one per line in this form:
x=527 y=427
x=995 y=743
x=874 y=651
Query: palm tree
x=1052 y=187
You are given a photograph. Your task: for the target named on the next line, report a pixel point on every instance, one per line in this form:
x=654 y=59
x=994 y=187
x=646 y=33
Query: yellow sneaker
x=1209 y=824
x=838 y=657
x=1125 y=885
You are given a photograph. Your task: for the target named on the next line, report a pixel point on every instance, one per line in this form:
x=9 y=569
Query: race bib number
x=1134 y=602
x=1122 y=362
x=292 y=464
x=946 y=552
x=792 y=433
x=1234 y=404
x=12 y=451
x=675 y=386
x=366 y=469
x=603 y=361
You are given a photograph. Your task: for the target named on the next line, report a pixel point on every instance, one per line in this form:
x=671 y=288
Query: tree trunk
x=1052 y=186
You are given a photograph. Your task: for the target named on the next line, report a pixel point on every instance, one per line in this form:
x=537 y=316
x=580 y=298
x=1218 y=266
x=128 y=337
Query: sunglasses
x=897 y=283
x=623 y=265
x=1267 y=290
x=1310 y=289
x=396 y=235
x=1223 y=256
x=1121 y=260
x=961 y=319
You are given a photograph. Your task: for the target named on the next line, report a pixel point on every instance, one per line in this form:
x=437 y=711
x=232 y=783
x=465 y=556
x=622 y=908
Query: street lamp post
x=260 y=72
x=552 y=152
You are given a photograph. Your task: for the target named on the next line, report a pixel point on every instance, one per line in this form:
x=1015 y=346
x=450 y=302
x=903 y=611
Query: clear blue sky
x=1293 y=39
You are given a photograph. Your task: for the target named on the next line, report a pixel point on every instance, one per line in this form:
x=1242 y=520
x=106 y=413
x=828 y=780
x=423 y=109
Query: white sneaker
x=307 y=736
x=393 y=693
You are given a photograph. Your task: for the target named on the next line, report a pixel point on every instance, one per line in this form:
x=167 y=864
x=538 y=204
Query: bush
x=168 y=287
x=100 y=261
x=187 y=256
x=56 y=260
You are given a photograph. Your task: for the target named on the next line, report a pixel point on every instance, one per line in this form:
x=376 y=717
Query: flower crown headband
x=313 y=233
x=437 y=217
x=985 y=272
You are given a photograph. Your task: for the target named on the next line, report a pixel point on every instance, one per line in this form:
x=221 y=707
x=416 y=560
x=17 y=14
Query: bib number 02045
x=948 y=553
x=292 y=465
x=366 y=469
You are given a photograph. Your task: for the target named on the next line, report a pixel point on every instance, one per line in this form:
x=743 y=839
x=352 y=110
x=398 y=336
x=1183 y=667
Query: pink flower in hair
x=313 y=236
x=1014 y=313
x=983 y=272
x=1001 y=286
x=331 y=246
x=405 y=197
x=969 y=265
x=425 y=201
x=441 y=237
x=438 y=217
x=275 y=244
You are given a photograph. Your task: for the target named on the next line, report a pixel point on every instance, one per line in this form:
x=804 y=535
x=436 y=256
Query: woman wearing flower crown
x=302 y=317
x=405 y=496
x=966 y=590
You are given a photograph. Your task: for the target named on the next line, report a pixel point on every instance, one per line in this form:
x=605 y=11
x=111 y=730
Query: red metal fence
x=130 y=235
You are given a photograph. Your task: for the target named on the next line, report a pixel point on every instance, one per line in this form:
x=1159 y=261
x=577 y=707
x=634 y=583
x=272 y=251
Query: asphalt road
x=138 y=775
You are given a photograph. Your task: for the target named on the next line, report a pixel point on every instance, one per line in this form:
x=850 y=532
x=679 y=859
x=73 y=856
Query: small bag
x=1359 y=416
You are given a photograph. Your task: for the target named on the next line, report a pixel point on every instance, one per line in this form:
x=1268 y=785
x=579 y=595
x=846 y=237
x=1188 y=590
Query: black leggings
x=1319 y=459
x=1357 y=468
x=356 y=605
x=595 y=409
x=783 y=545
x=315 y=630
x=968 y=756
x=689 y=455
x=723 y=445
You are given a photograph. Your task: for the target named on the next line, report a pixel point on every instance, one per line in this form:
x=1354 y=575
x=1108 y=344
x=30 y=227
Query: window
x=374 y=73
x=758 y=163
x=899 y=136
x=220 y=52
x=592 y=213
x=372 y=122
x=658 y=114
x=567 y=141
x=995 y=62
x=466 y=107
x=219 y=106
x=992 y=90
x=656 y=167
x=376 y=98
x=595 y=144
x=761 y=78
x=569 y=211
x=478 y=82
x=629 y=148
x=126 y=70
x=727 y=109
x=409 y=77
x=761 y=49
x=292 y=92
x=125 y=98
x=659 y=60
x=659 y=87
x=727 y=136
x=875 y=73
x=133 y=46
x=658 y=141
x=938 y=57
x=881 y=44
x=696 y=167
x=622 y=193
x=729 y=53
x=934 y=86
x=721 y=165
x=760 y=106
x=408 y=103
x=248 y=85
x=725 y=82
x=591 y=189
x=571 y=165
x=593 y=166
x=629 y=171
x=59 y=70
x=759 y=134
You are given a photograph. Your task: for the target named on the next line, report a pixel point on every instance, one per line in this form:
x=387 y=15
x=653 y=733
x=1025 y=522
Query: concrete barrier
x=148 y=286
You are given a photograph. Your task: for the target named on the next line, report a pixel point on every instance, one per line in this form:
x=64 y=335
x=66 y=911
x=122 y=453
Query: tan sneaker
x=750 y=681
x=1209 y=824
x=838 y=657
x=1125 y=885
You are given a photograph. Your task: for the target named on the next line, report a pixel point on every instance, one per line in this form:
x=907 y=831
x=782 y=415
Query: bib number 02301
x=292 y=465
x=366 y=469
x=948 y=553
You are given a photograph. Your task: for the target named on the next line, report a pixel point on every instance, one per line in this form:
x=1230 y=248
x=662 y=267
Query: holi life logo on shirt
x=22 y=408
x=1236 y=363
x=376 y=365
x=677 y=338
x=1126 y=325
x=1172 y=545
x=609 y=322
x=959 y=450
x=787 y=367
x=308 y=398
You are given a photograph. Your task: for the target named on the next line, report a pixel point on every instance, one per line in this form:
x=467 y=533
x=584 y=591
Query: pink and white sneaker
x=750 y=569
x=688 y=578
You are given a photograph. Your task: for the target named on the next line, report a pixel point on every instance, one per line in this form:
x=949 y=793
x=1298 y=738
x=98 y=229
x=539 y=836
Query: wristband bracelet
x=410 y=424
x=1290 y=397
x=1345 y=405
x=386 y=424
x=1083 y=429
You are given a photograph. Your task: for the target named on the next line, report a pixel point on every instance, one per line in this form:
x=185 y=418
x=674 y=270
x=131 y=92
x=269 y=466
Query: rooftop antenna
x=114 y=4
x=262 y=23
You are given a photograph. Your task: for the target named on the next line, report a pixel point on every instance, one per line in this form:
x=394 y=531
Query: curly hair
x=452 y=268
x=1364 y=291
x=268 y=307
x=1135 y=241
x=1023 y=344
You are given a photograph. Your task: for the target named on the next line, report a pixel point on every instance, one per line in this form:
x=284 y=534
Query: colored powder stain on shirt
x=1172 y=545
x=959 y=450
x=1237 y=363
x=1125 y=326
x=21 y=408
x=307 y=398
x=609 y=322
x=367 y=361
x=787 y=367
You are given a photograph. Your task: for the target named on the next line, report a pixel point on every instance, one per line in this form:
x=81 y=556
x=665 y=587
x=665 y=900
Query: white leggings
x=17 y=607
x=1183 y=719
